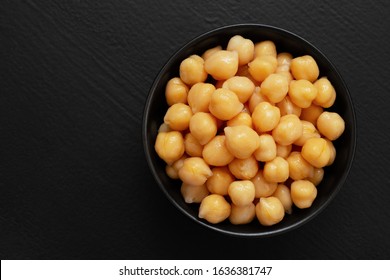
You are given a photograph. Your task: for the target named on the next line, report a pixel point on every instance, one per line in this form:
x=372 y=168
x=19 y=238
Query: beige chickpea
x=262 y=66
x=214 y=208
x=192 y=70
x=256 y=98
x=308 y=131
x=288 y=130
x=269 y=211
x=243 y=71
x=243 y=87
x=222 y=65
x=192 y=146
x=299 y=168
x=276 y=170
x=244 y=169
x=242 y=118
x=241 y=141
x=283 y=151
x=194 y=171
x=265 y=48
x=241 y=215
x=164 y=128
x=178 y=116
x=169 y=146
x=282 y=193
x=219 y=182
x=176 y=91
x=173 y=170
x=265 y=117
x=209 y=52
x=287 y=74
x=317 y=177
x=203 y=126
x=224 y=104
x=305 y=67
x=303 y=193
x=263 y=188
x=326 y=94
x=275 y=87
x=302 y=92
x=244 y=48
x=241 y=192
x=216 y=153
x=267 y=148
x=331 y=125
x=311 y=113
x=193 y=194
x=284 y=58
x=316 y=151
x=199 y=97
x=286 y=107
x=332 y=150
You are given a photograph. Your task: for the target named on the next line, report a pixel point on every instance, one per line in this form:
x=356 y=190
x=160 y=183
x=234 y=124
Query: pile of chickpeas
x=247 y=131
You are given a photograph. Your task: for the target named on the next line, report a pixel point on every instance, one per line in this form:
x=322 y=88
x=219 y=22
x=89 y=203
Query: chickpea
x=317 y=177
x=242 y=118
x=302 y=93
x=224 y=104
x=193 y=194
x=284 y=58
x=241 y=141
x=267 y=148
x=243 y=71
x=192 y=146
x=283 y=151
x=194 y=171
x=308 y=131
x=299 y=168
x=262 y=66
x=288 y=130
x=244 y=169
x=169 y=146
x=275 y=87
x=222 y=65
x=265 y=48
x=311 y=113
x=303 y=193
x=214 y=208
x=263 y=188
x=178 y=116
x=199 y=97
x=244 y=48
x=331 y=125
x=282 y=193
x=241 y=215
x=316 y=151
x=276 y=170
x=216 y=153
x=192 y=70
x=243 y=87
x=173 y=170
x=286 y=107
x=281 y=71
x=220 y=180
x=265 y=117
x=209 y=52
x=242 y=192
x=256 y=98
x=326 y=94
x=332 y=152
x=305 y=67
x=176 y=91
x=164 y=128
x=269 y=211
x=203 y=126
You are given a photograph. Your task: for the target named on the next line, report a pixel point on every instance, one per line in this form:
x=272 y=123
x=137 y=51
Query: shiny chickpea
x=169 y=146
x=276 y=170
x=265 y=48
x=299 y=168
x=164 y=128
x=316 y=151
x=283 y=151
x=222 y=65
x=176 y=91
x=199 y=97
x=267 y=148
x=178 y=116
x=256 y=98
x=214 y=208
x=265 y=117
x=209 y=52
x=193 y=194
x=224 y=104
x=241 y=215
x=241 y=192
x=192 y=146
x=275 y=87
x=302 y=93
x=244 y=169
x=288 y=130
x=286 y=107
x=303 y=193
x=244 y=48
x=308 y=131
x=305 y=67
x=242 y=118
x=192 y=70
x=194 y=171
x=326 y=94
x=263 y=188
x=269 y=211
x=262 y=66
x=284 y=58
x=243 y=87
x=216 y=153
x=219 y=182
x=241 y=141
x=282 y=193
x=243 y=71
x=173 y=170
x=332 y=152
x=203 y=126
x=317 y=177
x=331 y=125
x=281 y=71
x=311 y=113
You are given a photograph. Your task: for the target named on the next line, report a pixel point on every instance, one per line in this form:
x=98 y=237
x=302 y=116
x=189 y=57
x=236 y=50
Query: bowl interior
x=335 y=175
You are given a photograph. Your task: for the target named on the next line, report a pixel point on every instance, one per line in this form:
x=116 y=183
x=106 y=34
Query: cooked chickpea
x=209 y=52
x=242 y=192
x=265 y=117
x=265 y=48
x=288 y=130
x=311 y=113
x=261 y=67
x=224 y=104
x=192 y=146
x=222 y=65
x=283 y=151
x=199 y=97
x=276 y=170
x=244 y=169
x=241 y=215
x=286 y=74
x=308 y=131
x=299 y=168
x=176 y=91
x=192 y=70
x=216 y=153
x=286 y=107
x=275 y=87
x=331 y=125
x=305 y=67
x=267 y=148
x=164 y=128
x=256 y=98
x=219 y=182
x=263 y=188
x=178 y=116
x=194 y=171
x=284 y=58
x=241 y=141
x=242 y=118
x=326 y=94
x=193 y=194
x=243 y=71
x=282 y=193
x=244 y=48
x=243 y=87
x=332 y=152
x=317 y=177
x=269 y=211
x=169 y=146
x=316 y=151
x=214 y=208
x=303 y=193
x=302 y=92
x=173 y=170
x=203 y=126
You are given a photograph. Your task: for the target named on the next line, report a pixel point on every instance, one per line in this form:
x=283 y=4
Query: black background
x=74 y=77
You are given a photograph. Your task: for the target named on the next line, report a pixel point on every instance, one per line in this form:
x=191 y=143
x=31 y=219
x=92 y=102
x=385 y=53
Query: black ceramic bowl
x=335 y=175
